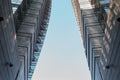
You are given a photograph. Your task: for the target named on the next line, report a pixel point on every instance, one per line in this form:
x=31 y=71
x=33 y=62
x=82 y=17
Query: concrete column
x=9 y=61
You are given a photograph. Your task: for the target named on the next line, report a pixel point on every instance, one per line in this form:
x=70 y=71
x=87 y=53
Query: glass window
x=14 y=9
x=98 y=75
x=15 y=4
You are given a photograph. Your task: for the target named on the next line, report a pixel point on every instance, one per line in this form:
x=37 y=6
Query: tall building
x=23 y=26
x=99 y=22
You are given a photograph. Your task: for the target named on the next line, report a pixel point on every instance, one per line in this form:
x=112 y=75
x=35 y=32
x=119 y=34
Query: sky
x=62 y=56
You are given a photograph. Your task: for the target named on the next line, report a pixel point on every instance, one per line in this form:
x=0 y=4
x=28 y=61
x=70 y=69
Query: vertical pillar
x=9 y=61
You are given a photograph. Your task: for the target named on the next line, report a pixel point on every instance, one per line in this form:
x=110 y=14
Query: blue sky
x=62 y=56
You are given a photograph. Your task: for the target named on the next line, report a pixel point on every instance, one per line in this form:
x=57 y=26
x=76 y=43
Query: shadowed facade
x=99 y=22
x=23 y=26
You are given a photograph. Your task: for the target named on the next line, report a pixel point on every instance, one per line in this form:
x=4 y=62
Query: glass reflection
x=15 y=4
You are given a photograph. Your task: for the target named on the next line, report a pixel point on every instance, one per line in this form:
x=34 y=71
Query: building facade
x=99 y=22
x=23 y=26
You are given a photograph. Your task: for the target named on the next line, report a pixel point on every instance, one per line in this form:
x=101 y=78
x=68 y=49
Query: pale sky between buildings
x=62 y=56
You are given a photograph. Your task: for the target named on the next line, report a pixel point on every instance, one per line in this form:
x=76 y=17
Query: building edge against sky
x=23 y=26
x=99 y=22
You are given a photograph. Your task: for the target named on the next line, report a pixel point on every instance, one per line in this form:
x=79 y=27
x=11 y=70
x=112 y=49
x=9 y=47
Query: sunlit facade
x=23 y=26
x=99 y=22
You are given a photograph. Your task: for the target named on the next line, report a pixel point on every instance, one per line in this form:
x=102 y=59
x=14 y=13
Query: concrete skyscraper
x=99 y=22
x=23 y=26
